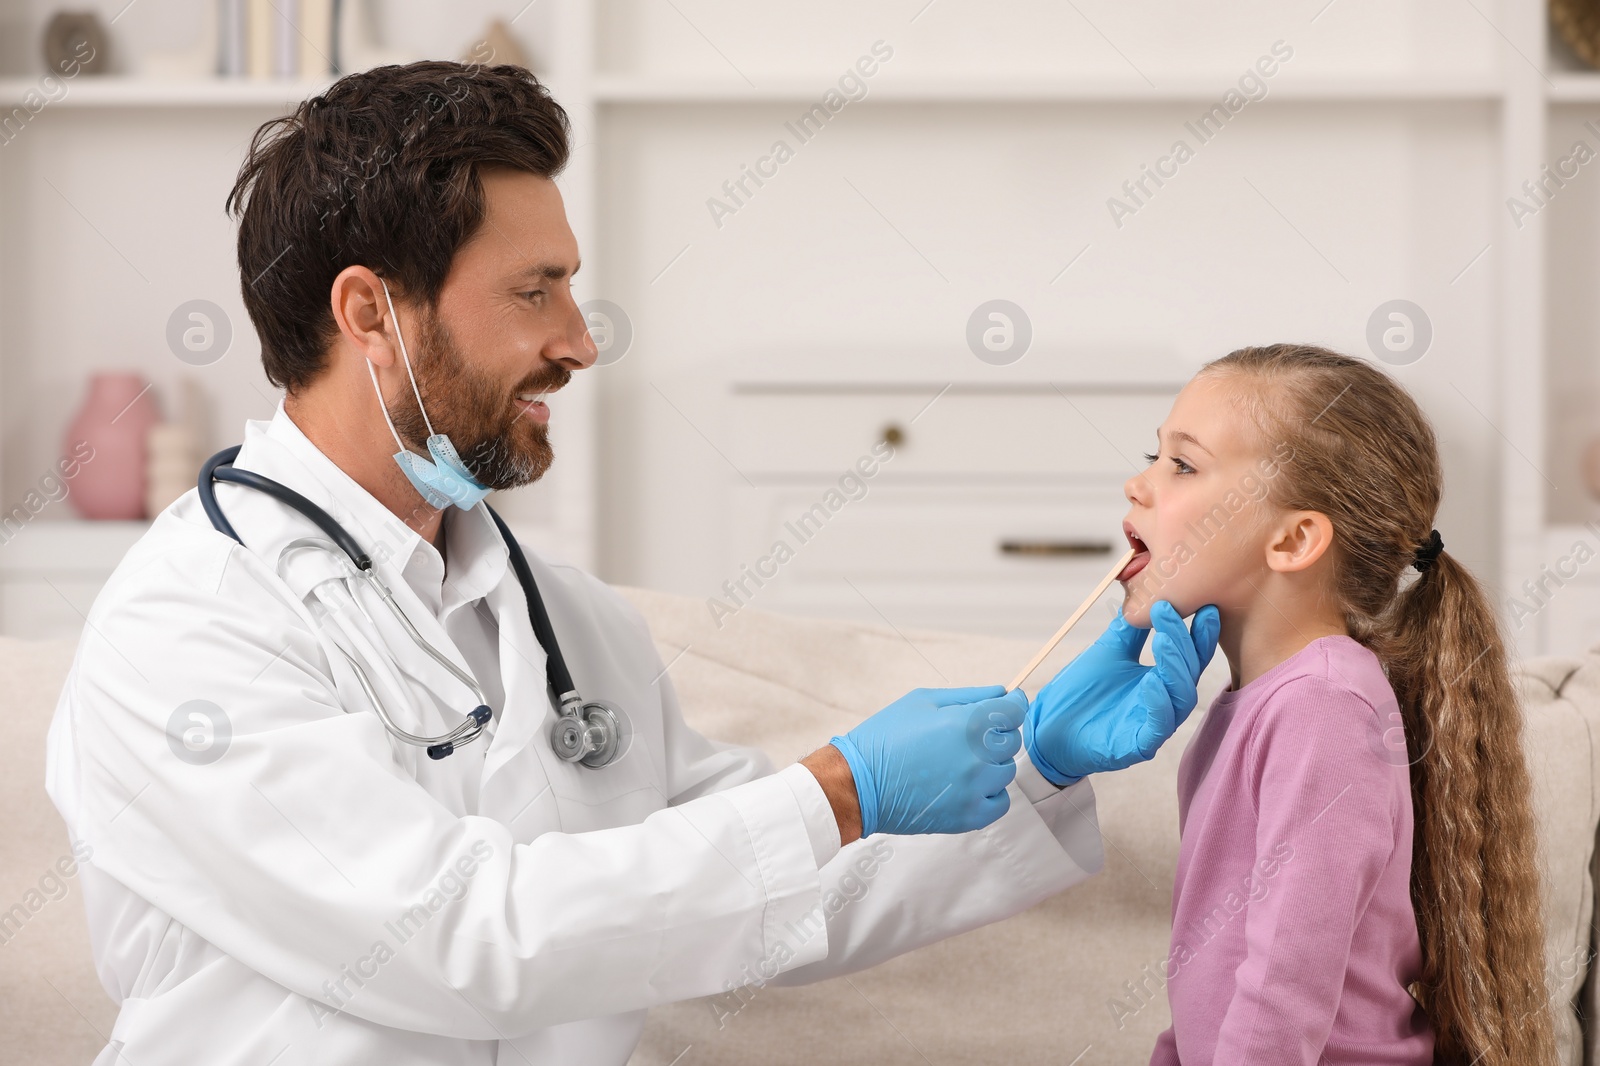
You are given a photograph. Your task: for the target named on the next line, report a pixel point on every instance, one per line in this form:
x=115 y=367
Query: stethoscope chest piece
x=587 y=732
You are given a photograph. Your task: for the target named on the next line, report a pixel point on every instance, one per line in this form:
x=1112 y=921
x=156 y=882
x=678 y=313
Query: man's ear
x=1298 y=541
x=362 y=315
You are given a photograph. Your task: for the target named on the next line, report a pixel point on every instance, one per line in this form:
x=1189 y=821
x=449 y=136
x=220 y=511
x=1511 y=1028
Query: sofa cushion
x=1074 y=973
x=52 y=1007
x=1078 y=971
x=1561 y=703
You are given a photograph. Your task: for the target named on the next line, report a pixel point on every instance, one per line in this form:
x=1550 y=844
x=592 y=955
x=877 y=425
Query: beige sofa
x=1072 y=980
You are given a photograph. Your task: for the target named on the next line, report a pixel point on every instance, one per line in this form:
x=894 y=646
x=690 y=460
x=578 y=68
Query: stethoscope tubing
x=582 y=739
x=439 y=746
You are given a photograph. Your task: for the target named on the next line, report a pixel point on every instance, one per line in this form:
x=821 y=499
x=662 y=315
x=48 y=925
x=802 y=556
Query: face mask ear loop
x=401 y=338
x=372 y=373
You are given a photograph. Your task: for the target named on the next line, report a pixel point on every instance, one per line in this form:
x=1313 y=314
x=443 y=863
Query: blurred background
x=961 y=235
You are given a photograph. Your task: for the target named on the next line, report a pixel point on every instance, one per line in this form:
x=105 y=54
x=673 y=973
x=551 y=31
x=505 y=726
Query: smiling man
x=317 y=734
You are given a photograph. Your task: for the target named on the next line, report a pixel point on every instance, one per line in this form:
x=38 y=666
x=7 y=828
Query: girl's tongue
x=1138 y=562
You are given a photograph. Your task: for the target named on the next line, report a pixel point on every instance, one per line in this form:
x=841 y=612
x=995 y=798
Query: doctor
x=280 y=875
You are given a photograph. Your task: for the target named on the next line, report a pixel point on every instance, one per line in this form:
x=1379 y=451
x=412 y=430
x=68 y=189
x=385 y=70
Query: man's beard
x=499 y=447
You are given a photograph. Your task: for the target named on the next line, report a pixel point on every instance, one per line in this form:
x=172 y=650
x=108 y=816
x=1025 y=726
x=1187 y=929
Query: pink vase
x=111 y=428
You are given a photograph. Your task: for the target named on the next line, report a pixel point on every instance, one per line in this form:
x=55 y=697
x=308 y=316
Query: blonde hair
x=1366 y=457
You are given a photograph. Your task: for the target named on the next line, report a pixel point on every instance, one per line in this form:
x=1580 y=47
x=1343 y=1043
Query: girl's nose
x=1134 y=488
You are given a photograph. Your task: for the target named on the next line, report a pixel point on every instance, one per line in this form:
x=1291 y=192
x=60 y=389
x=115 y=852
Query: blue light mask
x=444 y=480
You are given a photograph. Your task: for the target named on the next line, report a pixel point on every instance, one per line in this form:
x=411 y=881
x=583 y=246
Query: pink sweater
x=1293 y=936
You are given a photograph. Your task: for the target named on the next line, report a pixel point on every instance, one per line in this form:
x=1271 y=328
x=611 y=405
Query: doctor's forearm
x=832 y=772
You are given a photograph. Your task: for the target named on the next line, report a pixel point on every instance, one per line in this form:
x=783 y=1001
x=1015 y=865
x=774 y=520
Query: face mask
x=444 y=480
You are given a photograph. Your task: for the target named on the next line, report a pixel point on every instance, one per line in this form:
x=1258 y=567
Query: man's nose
x=572 y=347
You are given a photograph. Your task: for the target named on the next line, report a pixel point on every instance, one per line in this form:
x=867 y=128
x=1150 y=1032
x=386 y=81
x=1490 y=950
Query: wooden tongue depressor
x=1083 y=609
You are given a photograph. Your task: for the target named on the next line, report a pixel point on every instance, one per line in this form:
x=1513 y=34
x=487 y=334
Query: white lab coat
x=323 y=893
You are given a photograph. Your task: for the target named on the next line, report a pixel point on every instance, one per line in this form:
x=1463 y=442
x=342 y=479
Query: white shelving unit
x=1551 y=399
x=1473 y=101
x=662 y=115
x=623 y=89
x=51 y=570
x=111 y=90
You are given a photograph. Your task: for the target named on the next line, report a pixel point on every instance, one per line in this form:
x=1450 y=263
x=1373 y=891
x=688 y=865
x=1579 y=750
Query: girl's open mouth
x=1139 y=561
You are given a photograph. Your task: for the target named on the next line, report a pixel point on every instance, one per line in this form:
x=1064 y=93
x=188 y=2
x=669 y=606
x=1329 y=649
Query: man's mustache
x=547 y=382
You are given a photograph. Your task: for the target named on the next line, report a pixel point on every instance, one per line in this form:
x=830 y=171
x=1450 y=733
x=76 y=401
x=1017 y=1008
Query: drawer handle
x=893 y=435
x=1055 y=547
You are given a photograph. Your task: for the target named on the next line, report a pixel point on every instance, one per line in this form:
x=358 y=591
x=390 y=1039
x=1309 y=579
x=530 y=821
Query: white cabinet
x=1011 y=561
x=1018 y=432
x=1560 y=604
x=990 y=503
x=51 y=571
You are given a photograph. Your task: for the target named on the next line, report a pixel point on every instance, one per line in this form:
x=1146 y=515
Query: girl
x=1357 y=878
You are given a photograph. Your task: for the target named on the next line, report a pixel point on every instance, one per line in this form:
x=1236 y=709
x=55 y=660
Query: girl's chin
x=1136 y=605
x=1136 y=611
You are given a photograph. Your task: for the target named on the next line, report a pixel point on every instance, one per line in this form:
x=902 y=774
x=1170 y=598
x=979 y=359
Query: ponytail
x=1475 y=875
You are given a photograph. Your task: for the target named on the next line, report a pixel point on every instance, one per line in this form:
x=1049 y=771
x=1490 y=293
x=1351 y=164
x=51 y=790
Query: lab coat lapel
x=423 y=682
x=280 y=451
x=527 y=707
x=453 y=697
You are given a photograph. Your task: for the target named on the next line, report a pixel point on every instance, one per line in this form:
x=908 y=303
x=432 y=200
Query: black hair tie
x=1428 y=552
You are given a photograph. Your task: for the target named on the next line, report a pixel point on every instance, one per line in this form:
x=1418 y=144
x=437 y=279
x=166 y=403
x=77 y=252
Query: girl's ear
x=1298 y=541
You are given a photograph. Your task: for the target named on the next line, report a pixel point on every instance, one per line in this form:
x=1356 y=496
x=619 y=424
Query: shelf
x=1100 y=369
x=114 y=91
x=1574 y=87
x=628 y=89
x=55 y=545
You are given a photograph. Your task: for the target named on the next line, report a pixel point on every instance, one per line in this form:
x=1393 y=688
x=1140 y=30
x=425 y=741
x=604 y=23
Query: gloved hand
x=1105 y=710
x=936 y=760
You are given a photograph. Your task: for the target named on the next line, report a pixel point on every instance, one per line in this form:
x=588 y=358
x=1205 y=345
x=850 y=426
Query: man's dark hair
x=381 y=170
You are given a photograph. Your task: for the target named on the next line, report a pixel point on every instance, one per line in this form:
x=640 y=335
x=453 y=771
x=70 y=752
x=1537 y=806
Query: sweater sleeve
x=1326 y=818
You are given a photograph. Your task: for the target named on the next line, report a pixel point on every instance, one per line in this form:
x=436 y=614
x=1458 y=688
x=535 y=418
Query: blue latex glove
x=1105 y=710
x=936 y=760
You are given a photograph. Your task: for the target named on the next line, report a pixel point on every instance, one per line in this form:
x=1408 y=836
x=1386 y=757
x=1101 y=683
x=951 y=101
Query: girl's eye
x=1179 y=465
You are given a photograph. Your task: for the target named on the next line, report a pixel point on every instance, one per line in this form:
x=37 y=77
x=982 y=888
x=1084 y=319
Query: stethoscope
x=585 y=731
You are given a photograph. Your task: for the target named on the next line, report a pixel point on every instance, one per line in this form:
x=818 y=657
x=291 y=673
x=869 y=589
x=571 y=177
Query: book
x=233 y=36
x=286 y=39
x=258 y=38
x=316 y=39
